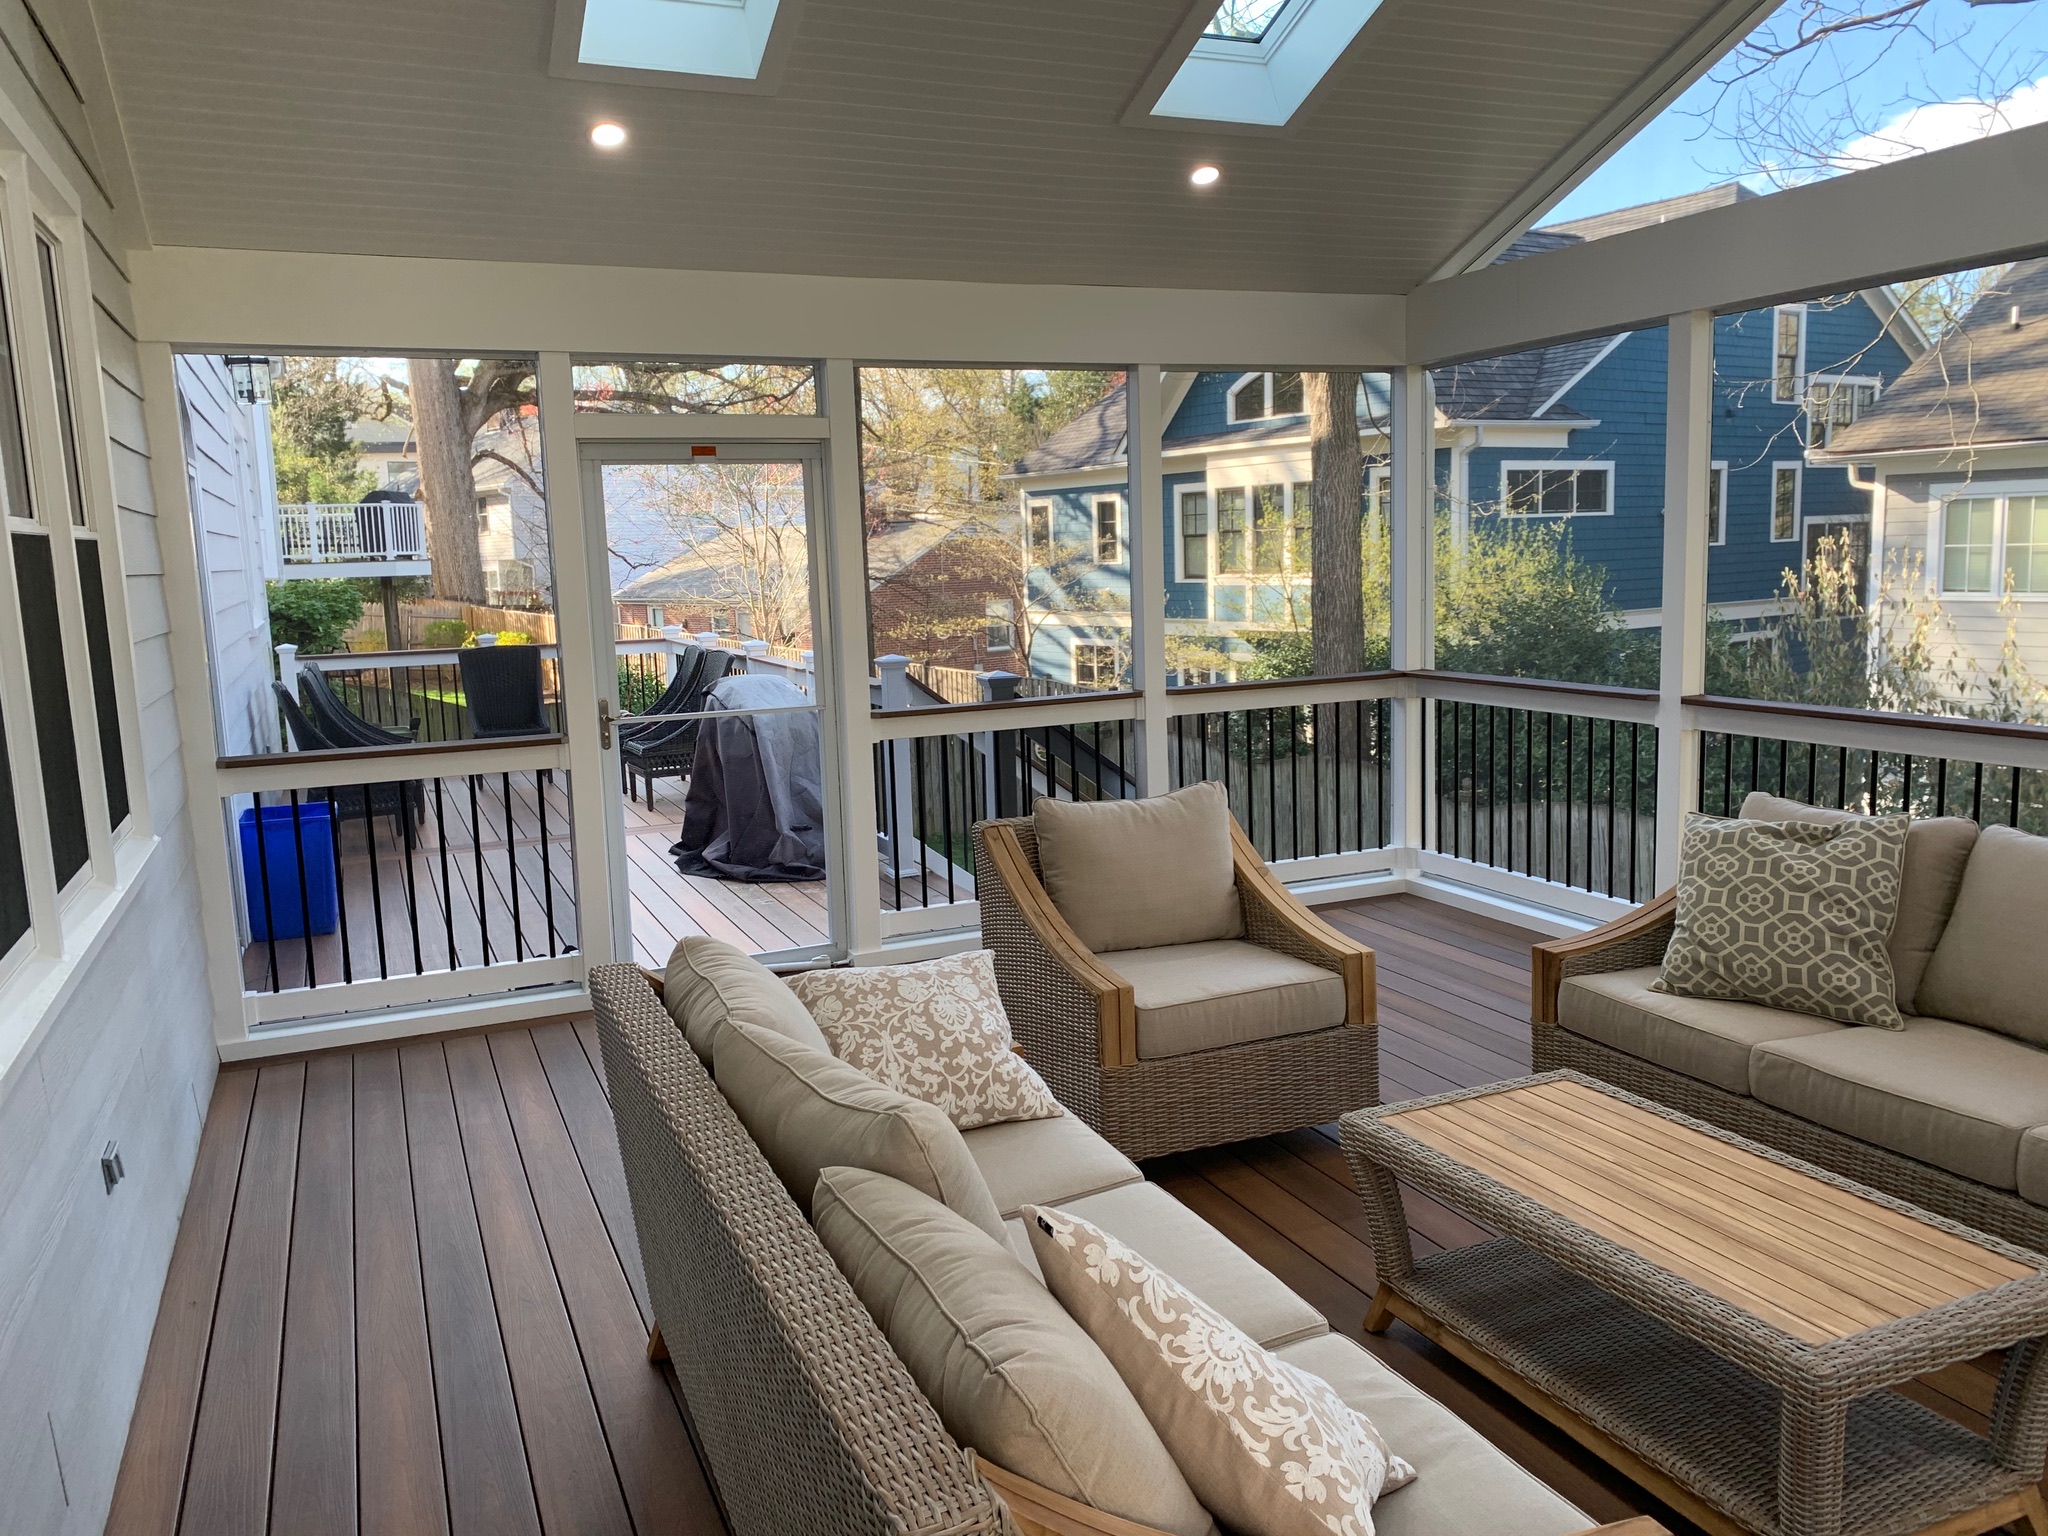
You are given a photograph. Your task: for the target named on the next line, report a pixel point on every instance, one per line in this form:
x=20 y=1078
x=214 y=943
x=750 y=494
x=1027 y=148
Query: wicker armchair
x=1076 y=1019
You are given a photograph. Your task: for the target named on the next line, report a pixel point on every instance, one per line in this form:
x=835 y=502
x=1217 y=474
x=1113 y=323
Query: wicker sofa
x=809 y=1422
x=1948 y=1114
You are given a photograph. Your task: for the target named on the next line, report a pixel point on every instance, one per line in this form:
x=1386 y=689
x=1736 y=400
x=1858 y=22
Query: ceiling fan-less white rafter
x=1247 y=66
x=699 y=45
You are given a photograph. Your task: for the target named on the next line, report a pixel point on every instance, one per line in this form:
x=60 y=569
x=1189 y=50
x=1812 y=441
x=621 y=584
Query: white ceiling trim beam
x=226 y=300
x=1954 y=208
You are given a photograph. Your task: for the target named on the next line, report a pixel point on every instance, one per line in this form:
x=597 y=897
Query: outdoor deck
x=406 y=1294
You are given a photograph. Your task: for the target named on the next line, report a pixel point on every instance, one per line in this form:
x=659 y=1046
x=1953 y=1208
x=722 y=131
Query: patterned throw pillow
x=1788 y=914
x=1269 y=1449
x=935 y=1030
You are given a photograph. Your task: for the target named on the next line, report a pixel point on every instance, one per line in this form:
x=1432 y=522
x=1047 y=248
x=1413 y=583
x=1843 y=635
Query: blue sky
x=1921 y=89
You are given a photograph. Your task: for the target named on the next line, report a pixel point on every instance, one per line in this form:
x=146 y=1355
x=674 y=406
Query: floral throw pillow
x=1269 y=1449
x=935 y=1030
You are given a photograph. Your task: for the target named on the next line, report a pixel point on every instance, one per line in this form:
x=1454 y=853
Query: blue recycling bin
x=292 y=882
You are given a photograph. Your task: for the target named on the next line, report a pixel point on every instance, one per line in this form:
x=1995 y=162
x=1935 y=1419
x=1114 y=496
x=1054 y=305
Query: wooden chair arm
x=1116 y=1011
x=1039 y=1511
x=1256 y=880
x=1641 y=1525
x=657 y=981
x=1547 y=961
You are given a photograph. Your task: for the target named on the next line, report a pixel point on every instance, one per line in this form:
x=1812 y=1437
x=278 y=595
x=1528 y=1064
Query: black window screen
x=99 y=650
x=60 y=368
x=36 y=576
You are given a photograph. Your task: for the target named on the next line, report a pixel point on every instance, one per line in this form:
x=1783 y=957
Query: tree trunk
x=1337 y=552
x=447 y=478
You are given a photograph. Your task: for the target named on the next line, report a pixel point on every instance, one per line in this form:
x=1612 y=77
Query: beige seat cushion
x=1945 y=1093
x=2033 y=1169
x=1700 y=1037
x=1046 y=1162
x=1991 y=967
x=708 y=982
x=1135 y=874
x=1009 y=1372
x=1937 y=849
x=807 y=1111
x=1147 y=1218
x=1463 y=1486
x=1196 y=997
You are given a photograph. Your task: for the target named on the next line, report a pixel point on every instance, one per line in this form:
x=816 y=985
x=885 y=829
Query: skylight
x=1244 y=21
x=707 y=44
x=1255 y=64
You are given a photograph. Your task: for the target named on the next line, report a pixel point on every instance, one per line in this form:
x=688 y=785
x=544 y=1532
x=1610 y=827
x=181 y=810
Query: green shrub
x=639 y=689
x=313 y=615
x=445 y=634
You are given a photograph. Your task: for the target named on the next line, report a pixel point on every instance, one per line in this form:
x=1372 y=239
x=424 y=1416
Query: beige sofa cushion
x=807 y=1111
x=1463 y=1486
x=1937 y=849
x=1942 y=1092
x=1268 y=1446
x=1136 y=874
x=1046 y=1162
x=1196 y=997
x=708 y=981
x=1991 y=967
x=2033 y=1168
x=1010 y=1373
x=1698 y=1036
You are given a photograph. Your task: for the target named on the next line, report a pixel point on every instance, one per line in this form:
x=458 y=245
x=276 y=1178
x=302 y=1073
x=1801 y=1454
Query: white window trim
x=1095 y=506
x=2001 y=494
x=1575 y=465
x=1287 y=572
x=1033 y=556
x=1798 y=394
x=1265 y=383
x=1180 y=531
x=1074 y=659
x=1809 y=381
x=1798 y=470
x=1719 y=470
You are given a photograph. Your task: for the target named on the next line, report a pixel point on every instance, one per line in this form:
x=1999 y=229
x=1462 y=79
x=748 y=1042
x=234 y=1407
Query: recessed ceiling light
x=607 y=135
x=1205 y=176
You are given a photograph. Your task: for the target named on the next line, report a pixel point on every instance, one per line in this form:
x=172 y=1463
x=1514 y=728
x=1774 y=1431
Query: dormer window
x=1260 y=396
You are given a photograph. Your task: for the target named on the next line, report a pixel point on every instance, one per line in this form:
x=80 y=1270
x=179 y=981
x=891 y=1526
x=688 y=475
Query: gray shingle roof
x=1985 y=382
x=1094 y=437
x=1662 y=211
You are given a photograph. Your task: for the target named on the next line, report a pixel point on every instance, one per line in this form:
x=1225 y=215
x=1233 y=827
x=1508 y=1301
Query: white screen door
x=721 y=794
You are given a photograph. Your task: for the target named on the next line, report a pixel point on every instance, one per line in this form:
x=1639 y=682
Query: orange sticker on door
x=703 y=450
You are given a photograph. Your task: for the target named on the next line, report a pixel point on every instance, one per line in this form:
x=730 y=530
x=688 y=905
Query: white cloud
x=1940 y=124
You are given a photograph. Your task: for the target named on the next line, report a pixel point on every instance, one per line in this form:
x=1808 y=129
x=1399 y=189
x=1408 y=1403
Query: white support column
x=1412 y=540
x=585 y=629
x=1688 y=452
x=843 y=645
x=1146 y=527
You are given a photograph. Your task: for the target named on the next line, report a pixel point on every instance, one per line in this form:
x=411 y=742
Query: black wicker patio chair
x=501 y=685
x=391 y=799
x=666 y=749
x=338 y=723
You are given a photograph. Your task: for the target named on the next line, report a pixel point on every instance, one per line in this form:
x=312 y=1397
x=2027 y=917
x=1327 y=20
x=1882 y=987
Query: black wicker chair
x=391 y=799
x=338 y=723
x=665 y=749
x=689 y=665
x=502 y=688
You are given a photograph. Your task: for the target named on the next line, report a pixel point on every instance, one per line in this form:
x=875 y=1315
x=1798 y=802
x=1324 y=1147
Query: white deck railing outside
x=319 y=533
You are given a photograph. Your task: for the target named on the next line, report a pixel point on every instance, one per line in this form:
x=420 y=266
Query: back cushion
x=1138 y=874
x=1010 y=1373
x=709 y=982
x=1937 y=849
x=1991 y=967
x=807 y=1111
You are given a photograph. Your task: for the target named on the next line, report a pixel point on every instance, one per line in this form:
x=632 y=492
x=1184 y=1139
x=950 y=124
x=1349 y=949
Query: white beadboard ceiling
x=954 y=139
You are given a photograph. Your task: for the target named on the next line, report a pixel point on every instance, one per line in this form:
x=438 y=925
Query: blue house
x=1571 y=435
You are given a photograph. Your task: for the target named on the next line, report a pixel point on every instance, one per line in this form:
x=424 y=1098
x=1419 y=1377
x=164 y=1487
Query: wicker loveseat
x=1080 y=1016
x=809 y=1422
x=1948 y=1114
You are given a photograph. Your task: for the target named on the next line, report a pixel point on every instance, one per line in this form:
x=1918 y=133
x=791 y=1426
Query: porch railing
x=1304 y=780
x=317 y=533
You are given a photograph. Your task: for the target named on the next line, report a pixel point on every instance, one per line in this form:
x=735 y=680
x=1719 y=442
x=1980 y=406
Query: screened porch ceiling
x=909 y=138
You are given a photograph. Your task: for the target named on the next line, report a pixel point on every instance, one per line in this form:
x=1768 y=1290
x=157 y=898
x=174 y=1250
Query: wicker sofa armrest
x=1041 y=959
x=1637 y=938
x=1274 y=918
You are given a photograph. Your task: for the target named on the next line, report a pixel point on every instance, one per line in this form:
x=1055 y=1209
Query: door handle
x=604 y=724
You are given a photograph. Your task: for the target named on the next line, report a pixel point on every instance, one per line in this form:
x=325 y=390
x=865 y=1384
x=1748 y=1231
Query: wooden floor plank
x=574 y=1482
x=579 y=1095
x=151 y=1486
x=656 y=1466
x=228 y=1491
x=313 y=1486
x=482 y=1451
x=402 y=1489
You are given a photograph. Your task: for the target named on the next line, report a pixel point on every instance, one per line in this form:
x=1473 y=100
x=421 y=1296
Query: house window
x=2026 y=543
x=1269 y=528
x=1194 y=535
x=1038 y=531
x=1108 y=530
x=656 y=616
x=1230 y=548
x=1286 y=396
x=399 y=470
x=1832 y=404
x=1969 y=526
x=1001 y=631
x=1784 y=502
x=1788 y=353
x=1248 y=399
x=1556 y=490
x=1259 y=396
x=1094 y=665
x=1989 y=543
x=1301 y=526
x=60 y=371
x=1379 y=483
x=1717 y=500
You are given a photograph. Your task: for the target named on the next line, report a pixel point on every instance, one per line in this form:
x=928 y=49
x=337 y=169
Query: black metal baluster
x=888 y=751
x=1941 y=786
x=917 y=814
x=547 y=875
x=1272 y=843
x=263 y=880
x=476 y=842
x=512 y=872
x=305 y=896
x=447 y=885
x=348 y=970
x=1613 y=727
x=376 y=875
x=2013 y=810
x=1977 y=794
x=1492 y=768
x=1315 y=762
x=946 y=808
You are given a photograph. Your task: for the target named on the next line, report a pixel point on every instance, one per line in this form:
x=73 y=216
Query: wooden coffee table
x=1715 y=1319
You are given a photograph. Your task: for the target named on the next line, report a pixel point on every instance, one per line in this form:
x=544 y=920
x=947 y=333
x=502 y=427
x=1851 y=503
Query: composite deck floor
x=406 y=1295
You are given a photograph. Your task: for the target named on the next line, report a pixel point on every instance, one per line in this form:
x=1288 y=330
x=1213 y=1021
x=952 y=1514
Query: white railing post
x=899 y=848
x=673 y=634
x=288 y=668
x=708 y=639
x=1688 y=429
x=1145 y=539
x=810 y=682
x=1411 y=531
x=757 y=655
